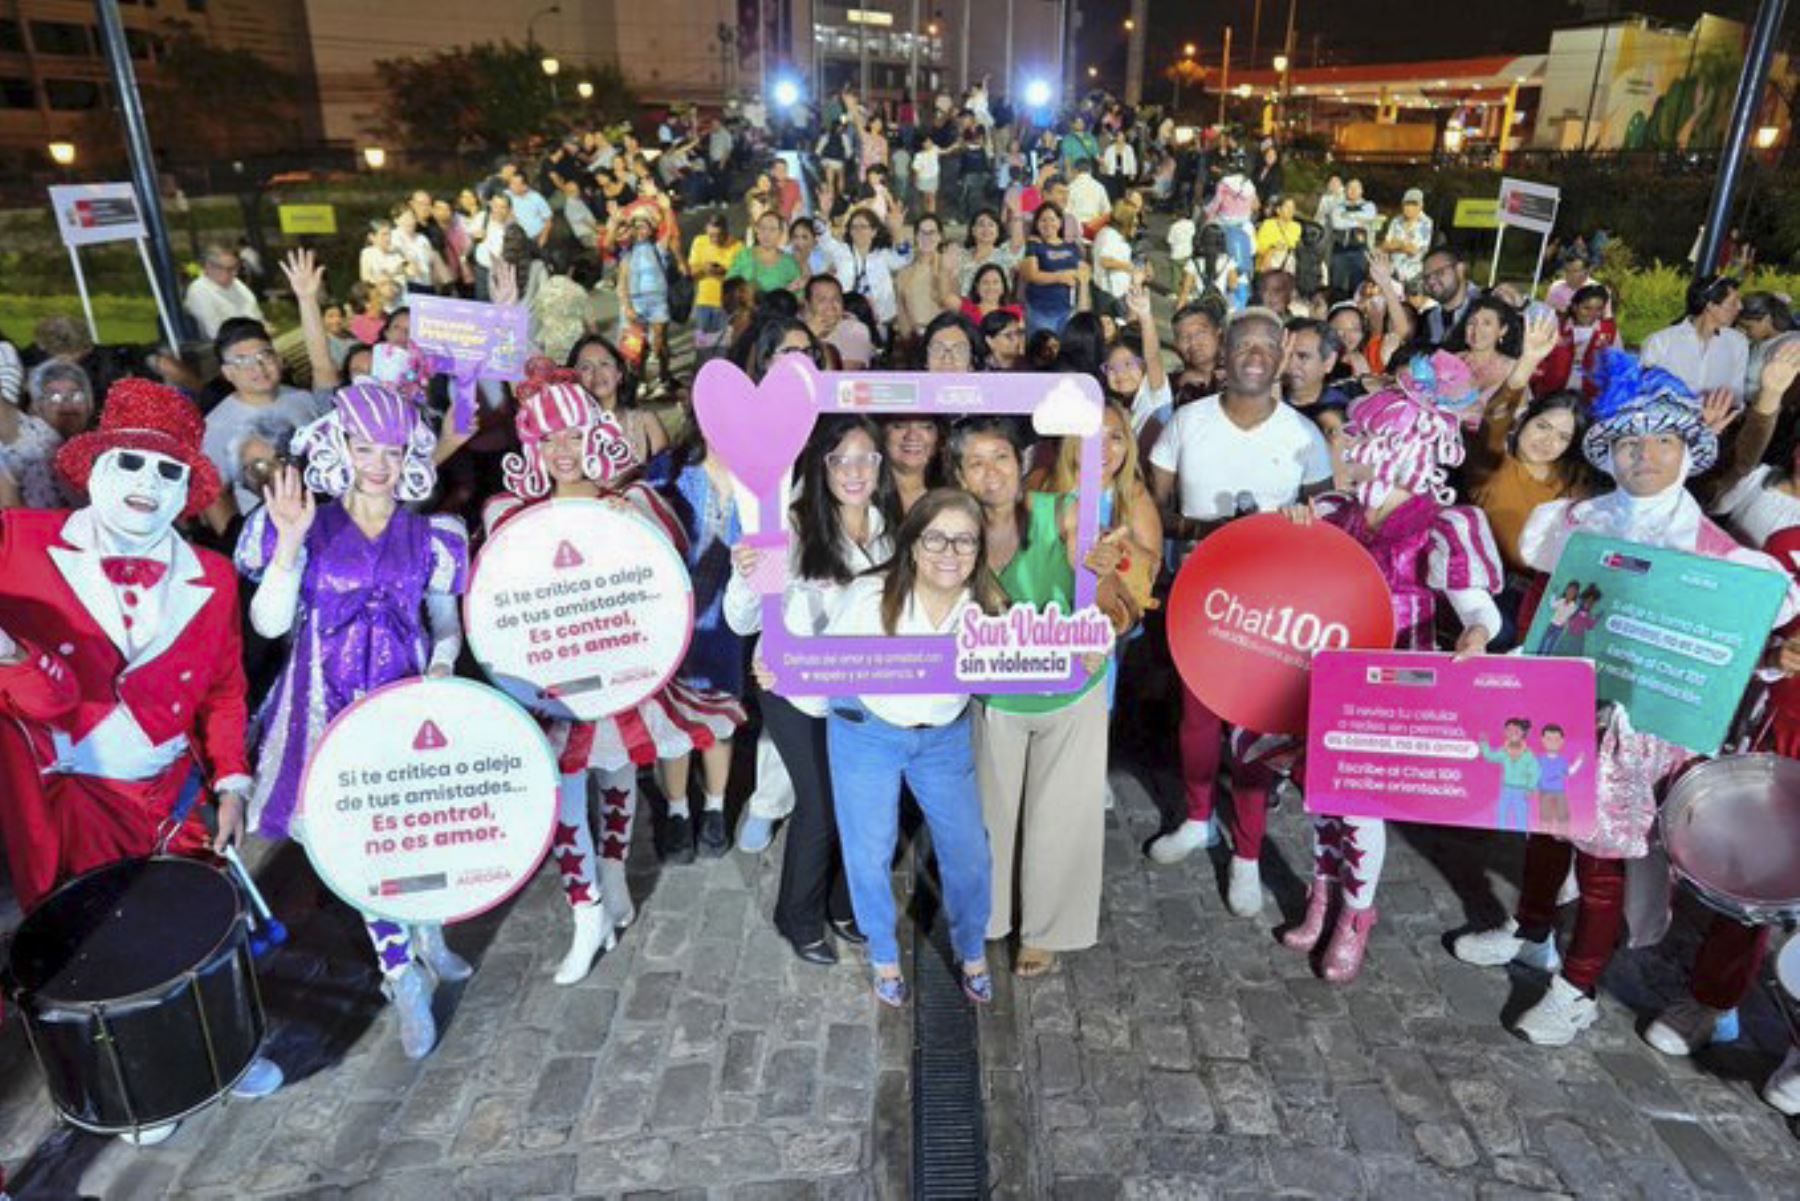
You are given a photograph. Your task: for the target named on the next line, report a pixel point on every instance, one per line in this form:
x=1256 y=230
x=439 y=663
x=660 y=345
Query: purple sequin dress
x=359 y=624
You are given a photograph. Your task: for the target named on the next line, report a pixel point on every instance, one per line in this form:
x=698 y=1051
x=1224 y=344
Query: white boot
x=1564 y=1012
x=616 y=893
x=410 y=991
x=593 y=933
x=1184 y=840
x=1243 y=891
x=430 y=949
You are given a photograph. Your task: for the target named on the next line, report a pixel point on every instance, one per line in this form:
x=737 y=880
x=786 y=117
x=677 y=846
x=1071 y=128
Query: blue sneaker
x=755 y=834
x=978 y=986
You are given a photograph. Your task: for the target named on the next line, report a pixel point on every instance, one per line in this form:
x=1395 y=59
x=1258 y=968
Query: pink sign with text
x=1494 y=742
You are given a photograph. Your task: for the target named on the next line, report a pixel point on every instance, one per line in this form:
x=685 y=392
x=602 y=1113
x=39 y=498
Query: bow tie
x=125 y=570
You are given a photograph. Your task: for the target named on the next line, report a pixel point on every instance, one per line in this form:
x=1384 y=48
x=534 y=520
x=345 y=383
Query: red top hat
x=140 y=415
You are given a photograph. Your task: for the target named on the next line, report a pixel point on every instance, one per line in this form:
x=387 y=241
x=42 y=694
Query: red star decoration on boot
x=565 y=836
x=612 y=848
x=570 y=863
x=579 y=895
x=616 y=821
x=1350 y=884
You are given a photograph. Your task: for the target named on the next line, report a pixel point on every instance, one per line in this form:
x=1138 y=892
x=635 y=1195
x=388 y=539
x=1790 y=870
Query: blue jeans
x=1514 y=810
x=869 y=759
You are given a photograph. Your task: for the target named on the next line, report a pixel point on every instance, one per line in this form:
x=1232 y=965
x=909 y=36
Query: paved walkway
x=1190 y=1056
x=699 y=1059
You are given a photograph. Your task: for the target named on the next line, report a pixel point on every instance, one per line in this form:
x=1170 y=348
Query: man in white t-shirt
x=218 y=294
x=1220 y=457
x=248 y=361
x=1088 y=201
x=1705 y=350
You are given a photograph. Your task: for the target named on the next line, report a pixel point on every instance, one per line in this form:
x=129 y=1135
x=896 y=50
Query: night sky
x=1359 y=30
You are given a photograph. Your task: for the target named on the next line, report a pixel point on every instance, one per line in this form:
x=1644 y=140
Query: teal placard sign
x=1673 y=636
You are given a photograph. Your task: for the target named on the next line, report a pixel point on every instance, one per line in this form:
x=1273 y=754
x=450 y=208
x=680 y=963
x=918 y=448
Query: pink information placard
x=1492 y=742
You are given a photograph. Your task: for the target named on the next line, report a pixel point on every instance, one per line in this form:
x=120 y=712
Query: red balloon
x=1252 y=604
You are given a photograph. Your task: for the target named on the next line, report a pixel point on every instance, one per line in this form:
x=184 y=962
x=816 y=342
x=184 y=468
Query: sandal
x=891 y=991
x=1030 y=963
x=978 y=986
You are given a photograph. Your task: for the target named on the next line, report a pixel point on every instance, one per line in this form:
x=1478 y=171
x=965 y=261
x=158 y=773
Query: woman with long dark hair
x=611 y=381
x=839 y=527
x=877 y=742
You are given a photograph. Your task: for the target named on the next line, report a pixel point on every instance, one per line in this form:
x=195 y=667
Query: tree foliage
x=212 y=99
x=481 y=99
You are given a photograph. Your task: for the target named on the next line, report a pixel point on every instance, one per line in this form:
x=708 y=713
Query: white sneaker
x=1502 y=945
x=430 y=949
x=410 y=991
x=593 y=933
x=1783 y=1089
x=260 y=1079
x=1683 y=1027
x=755 y=834
x=1564 y=1012
x=1184 y=840
x=149 y=1136
x=615 y=893
x=1243 y=892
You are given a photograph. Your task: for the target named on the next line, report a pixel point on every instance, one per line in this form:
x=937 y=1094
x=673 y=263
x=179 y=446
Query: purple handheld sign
x=760 y=429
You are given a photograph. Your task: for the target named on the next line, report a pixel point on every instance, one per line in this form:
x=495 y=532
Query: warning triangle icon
x=429 y=737
x=567 y=555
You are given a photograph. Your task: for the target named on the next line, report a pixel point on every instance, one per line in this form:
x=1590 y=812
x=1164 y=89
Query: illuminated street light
x=787 y=93
x=375 y=157
x=1281 y=64
x=63 y=153
x=1093 y=72
x=551 y=67
x=1130 y=25
x=1243 y=91
x=585 y=90
x=1038 y=94
x=1766 y=137
x=1189 y=49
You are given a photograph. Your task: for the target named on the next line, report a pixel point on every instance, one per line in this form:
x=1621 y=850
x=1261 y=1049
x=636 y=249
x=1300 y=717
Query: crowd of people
x=1461 y=436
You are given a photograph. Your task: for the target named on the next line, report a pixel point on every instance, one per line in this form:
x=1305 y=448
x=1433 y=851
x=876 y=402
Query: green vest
x=1039 y=574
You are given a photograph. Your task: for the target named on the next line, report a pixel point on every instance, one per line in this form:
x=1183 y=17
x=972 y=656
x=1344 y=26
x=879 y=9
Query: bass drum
x=1732 y=830
x=138 y=992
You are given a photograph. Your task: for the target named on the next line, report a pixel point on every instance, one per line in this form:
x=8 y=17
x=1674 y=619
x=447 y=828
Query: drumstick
x=277 y=932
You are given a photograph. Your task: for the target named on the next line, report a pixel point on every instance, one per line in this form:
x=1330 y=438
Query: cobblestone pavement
x=700 y=1059
x=1190 y=1056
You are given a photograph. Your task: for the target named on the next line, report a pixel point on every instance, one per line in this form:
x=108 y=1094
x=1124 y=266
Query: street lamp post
x=551 y=68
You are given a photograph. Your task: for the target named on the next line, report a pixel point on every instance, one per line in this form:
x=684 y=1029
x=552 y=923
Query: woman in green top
x=1040 y=760
x=764 y=263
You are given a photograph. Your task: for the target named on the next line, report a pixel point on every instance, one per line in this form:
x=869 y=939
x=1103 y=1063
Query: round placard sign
x=1256 y=600
x=429 y=801
x=579 y=609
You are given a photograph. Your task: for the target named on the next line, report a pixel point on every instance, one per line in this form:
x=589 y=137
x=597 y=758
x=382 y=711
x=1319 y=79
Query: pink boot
x=1305 y=936
x=1344 y=956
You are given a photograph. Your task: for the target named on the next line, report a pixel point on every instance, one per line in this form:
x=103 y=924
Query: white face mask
x=136 y=495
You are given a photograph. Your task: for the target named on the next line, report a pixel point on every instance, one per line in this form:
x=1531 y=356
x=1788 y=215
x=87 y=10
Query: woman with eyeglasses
x=61 y=406
x=1004 y=333
x=1137 y=379
x=839 y=522
x=952 y=343
x=1040 y=759
x=869 y=257
x=876 y=743
x=366 y=590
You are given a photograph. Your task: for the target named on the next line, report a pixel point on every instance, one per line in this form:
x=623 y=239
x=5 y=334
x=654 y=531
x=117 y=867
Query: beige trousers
x=1043 y=798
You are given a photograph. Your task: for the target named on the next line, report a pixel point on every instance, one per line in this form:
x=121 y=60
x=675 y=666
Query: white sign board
x=579 y=608
x=429 y=801
x=1526 y=205
x=93 y=213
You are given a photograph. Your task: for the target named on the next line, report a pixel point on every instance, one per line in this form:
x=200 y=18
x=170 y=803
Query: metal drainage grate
x=949 y=1135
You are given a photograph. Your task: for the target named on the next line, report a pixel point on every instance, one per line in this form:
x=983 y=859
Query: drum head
x=1732 y=828
x=123 y=929
x=1787 y=968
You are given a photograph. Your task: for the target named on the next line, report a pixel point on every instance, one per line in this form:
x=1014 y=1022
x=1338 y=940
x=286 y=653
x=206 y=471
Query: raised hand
x=1137 y=303
x=1778 y=373
x=503 y=282
x=306 y=276
x=291 y=506
x=1540 y=336
x=1718 y=409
